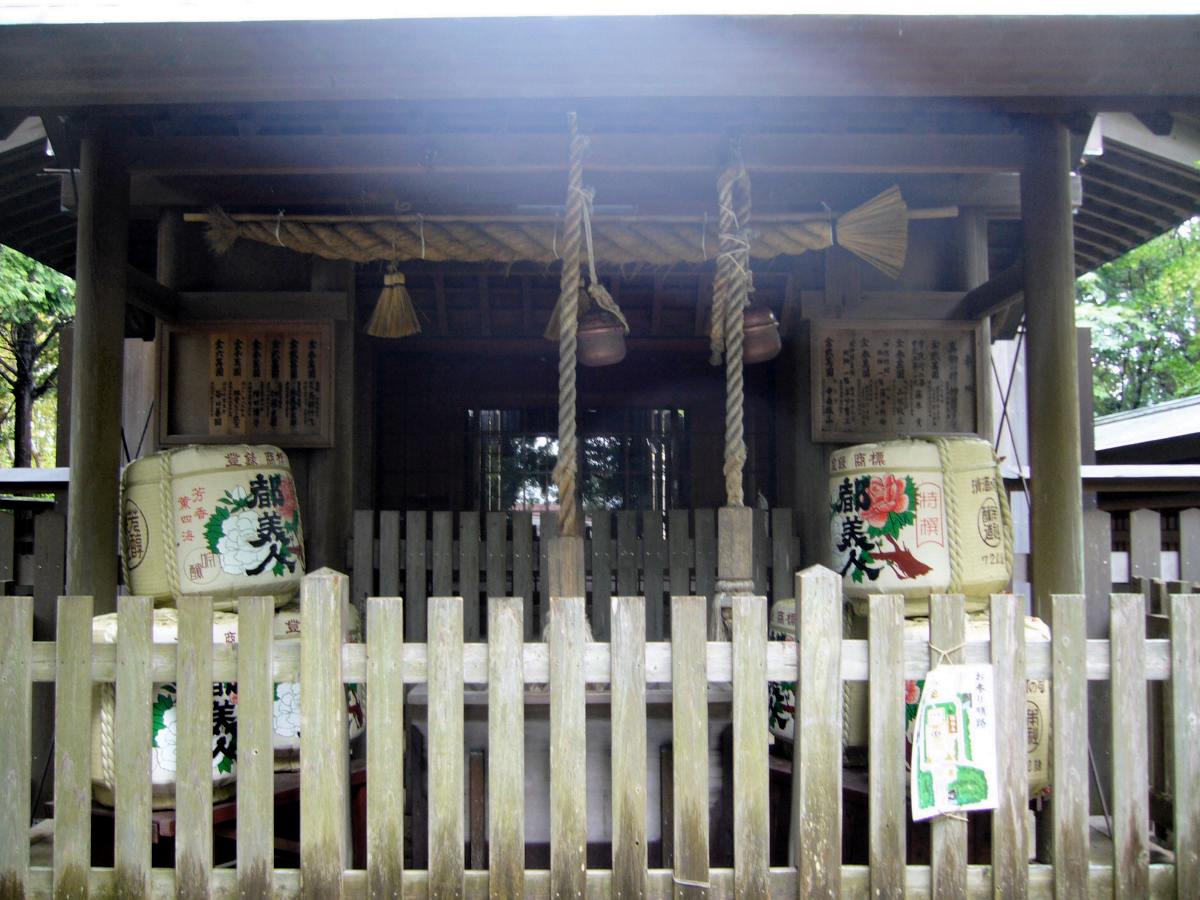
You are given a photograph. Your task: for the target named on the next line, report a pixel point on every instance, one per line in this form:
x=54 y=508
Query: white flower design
x=237 y=555
x=163 y=752
x=287 y=710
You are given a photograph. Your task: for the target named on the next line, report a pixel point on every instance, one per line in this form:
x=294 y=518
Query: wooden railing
x=695 y=671
x=479 y=555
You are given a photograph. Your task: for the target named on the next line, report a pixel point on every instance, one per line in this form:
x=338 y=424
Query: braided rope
x=1006 y=518
x=950 y=486
x=617 y=243
x=566 y=468
x=167 y=513
x=730 y=290
x=106 y=697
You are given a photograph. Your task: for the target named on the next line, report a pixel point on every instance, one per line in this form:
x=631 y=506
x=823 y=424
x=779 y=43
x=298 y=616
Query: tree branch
x=47 y=383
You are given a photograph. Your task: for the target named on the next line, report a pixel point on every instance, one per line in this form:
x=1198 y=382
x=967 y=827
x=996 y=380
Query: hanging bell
x=601 y=339
x=762 y=341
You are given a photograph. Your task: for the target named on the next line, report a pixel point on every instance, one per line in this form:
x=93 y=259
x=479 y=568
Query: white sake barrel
x=165 y=630
x=220 y=521
x=919 y=517
x=855 y=730
x=285 y=710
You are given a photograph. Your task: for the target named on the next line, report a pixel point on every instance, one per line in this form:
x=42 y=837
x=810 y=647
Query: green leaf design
x=214 y=528
x=225 y=766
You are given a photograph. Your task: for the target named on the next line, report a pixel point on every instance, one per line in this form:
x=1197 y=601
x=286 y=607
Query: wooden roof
x=1031 y=63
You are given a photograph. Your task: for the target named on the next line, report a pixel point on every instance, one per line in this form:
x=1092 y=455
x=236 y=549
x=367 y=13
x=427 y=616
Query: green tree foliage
x=36 y=303
x=1142 y=309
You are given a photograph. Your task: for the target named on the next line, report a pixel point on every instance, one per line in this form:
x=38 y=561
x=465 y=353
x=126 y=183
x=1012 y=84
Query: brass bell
x=762 y=341
x=601 y=339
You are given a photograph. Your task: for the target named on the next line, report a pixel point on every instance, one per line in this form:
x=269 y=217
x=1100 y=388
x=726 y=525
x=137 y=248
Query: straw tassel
x=394 y=316
x=876 y=232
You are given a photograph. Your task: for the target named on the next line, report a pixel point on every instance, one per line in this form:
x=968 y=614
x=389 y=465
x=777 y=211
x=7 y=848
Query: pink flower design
x=912 y=693
x=887 y=496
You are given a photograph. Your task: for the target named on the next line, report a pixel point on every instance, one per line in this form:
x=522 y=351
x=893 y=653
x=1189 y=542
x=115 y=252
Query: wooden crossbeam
x=425 y=154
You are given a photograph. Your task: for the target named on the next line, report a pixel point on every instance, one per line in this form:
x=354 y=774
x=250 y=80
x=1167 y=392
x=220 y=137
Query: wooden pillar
x=97 y=371
x=1056 y=495
x=972 y=224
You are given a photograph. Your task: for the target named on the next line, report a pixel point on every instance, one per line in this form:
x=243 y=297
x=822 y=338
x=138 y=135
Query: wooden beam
x=995 y=295
x=199 y=306
x=460 y=154
x=150 y=295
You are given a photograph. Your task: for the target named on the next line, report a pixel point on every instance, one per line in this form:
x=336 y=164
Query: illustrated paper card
x=954 y=743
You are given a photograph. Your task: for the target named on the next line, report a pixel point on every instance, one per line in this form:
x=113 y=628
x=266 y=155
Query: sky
x=69 y=11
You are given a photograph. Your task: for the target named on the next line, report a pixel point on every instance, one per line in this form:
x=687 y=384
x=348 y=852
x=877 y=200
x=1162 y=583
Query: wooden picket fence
x=643 y=553
x=694 y=669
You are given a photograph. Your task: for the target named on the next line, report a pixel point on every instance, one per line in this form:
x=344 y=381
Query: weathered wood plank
x=627 y=554
x=1185 y=709
x=468 y=572
x=522 y=567
x=443 y=553
x=1068 y=700
x=783 y=560
x=16 y=704
x=654 y=550
x=193 y=791
x=1145 y=544
x=447 y=830
x=751 y=818
x=385 y=712
x=256 y=734
x=131 y=745
x=476 y=808
x=948 y=834
x=1010 y=875
x=816 y=832
x=689 y=724
x=363 y=557
x=324 y=760
x=497 y=554
x=389 y=553
x=735 y=561
x=568 y=772
x=415 y=591
x=1189 y=546
x=855 y=880
x=760 y=550
x=6 y=549
x=1130 y=791
x=681 y=553
x=602 y=573
x=628 y=679
x=506 y=735
x=886 y=803
x=705 y=522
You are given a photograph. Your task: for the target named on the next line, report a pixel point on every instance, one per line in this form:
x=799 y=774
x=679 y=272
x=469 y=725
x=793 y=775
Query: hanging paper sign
x=876 y=379
x=267 y=382
x=954 y=743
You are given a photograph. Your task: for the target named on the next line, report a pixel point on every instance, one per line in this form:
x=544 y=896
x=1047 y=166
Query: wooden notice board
x=247 y=382
x=879 y=380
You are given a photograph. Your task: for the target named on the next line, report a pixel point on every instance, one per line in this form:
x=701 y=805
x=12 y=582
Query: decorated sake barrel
x=164 y=729
x=218 y=521
x=919 y=517
x=285 y=709
x=855 y=731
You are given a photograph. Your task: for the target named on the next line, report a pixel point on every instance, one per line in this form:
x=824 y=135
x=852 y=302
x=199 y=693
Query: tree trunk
x=25 y=342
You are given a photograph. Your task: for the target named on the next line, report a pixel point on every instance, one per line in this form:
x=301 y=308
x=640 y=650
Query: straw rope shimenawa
x=565 y=469
x=877 y=232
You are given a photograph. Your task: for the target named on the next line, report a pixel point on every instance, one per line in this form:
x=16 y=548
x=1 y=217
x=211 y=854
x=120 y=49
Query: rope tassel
x=394 y=315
